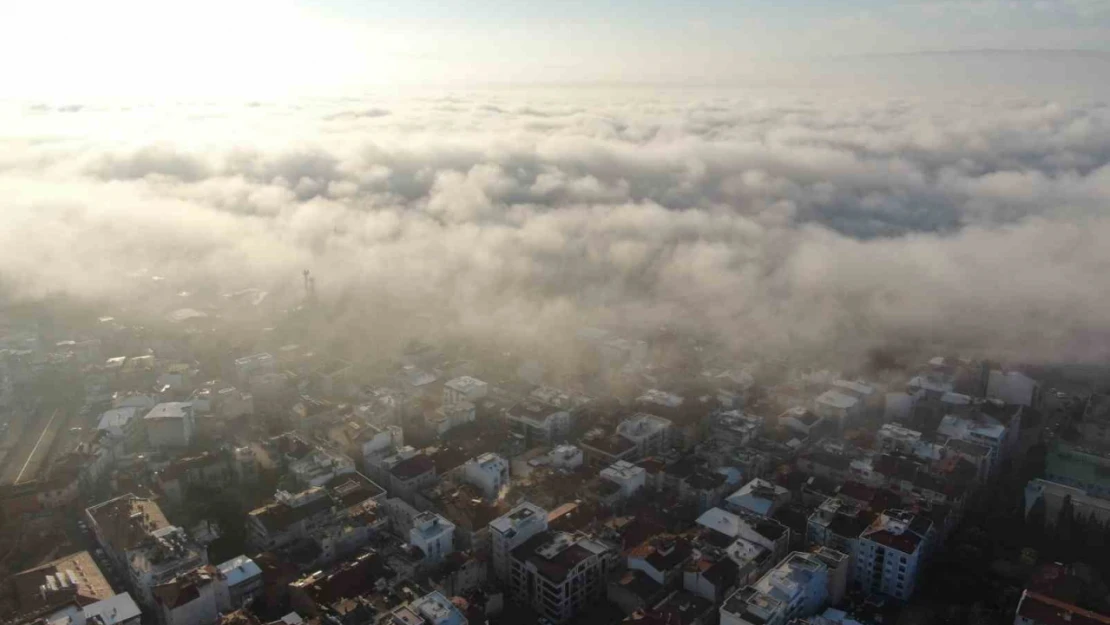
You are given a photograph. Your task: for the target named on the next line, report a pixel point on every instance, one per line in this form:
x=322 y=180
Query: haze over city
x=354 y=312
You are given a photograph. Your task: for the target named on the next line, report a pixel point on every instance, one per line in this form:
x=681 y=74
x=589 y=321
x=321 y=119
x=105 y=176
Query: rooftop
x=465 y=384
x=128 y=520
x=1044 y=610
x=116 y=609
x=413 y=467
x=239 y=569
x=170 y=410
x=837 y=399
x=555 y=554
x=70 y=578
x=523 y=513
x=898 y=529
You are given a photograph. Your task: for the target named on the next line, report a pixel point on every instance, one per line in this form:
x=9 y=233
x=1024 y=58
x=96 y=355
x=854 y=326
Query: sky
x=786 y=178
x=243 y=47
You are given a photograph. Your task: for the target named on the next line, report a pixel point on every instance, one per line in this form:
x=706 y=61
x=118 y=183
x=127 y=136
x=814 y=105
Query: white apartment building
x=891 y=552
x=170 y=425
x=560 y=575
x=758 y=497
x=464 y=388
x=839 y=406
x=795 y=588
x=512 y=530
x=433 y=535
x=431 y=609
x=1014 y=387
x=488 y=472
x=243 y=578
x=649 y=433
x=565 y=457
x=982 y=429
x=196 y=597
x=629 y=477
x=537 y=422
x=450 y=416
x=249 y=367
x=320 y=466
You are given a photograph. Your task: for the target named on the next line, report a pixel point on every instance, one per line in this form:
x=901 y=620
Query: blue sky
x=151 y=47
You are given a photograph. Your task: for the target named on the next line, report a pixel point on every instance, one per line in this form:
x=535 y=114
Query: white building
x=758 y=497
x=123 y=424
x=1014 y=387
x=320 y=466
x=567 y=457
x=839 y=406
x=464 y=388
x=629 y=477
x=559 y=575
x=433 y=535
x=489 y=472
x=431 y=609
x=538 y=423
x=982 y=429
x=249 y=367
x=512 y=530
x=450 y=416
x=243 y=578
x=649 y=433
x=170 y=425
x=797 y=587
x=891 y=552
x=116 y=610
x=800 y=420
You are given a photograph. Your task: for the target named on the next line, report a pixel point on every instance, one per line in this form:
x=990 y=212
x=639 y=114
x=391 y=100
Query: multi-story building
x=537 y=422
x=431 y=609
x=410 y=475
x=797 y=587
x=837 y=523
x=891 y=552
x=627 y=476
x=649 y=433
x=1036 y=608
x=289 y=517
x=512 y=530
x=252 y=366
x=1014 y=387
x=1084 y=506
x=489 y=472
x=124 y=425
x=838 y=406
x=320 y=466
x=758 y=497
x=170 y=425
x=433 y=535
x=1084 y=468
x=196 y=597
x=464 y=388
x=136 y=535
x=74 y=578
x=243 y=578
x=560 y=574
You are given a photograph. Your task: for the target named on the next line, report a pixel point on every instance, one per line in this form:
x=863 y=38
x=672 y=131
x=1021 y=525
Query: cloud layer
x=819 y=225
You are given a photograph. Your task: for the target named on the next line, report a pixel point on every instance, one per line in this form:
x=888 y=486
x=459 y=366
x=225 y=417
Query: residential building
x=124 y=425
x=464 y=389
x=170 y=425
x=736 y=428
x=243 y=578
x=74 y=578
x=627 y=476
x=512 y=530
x=433 y=535
x=1014 y=387
x=118 y=609
x=840 y=407
x=800 y=420
x=759 y=497
x=566 y=457
x=538 y=423
x=431 y=609
x=136 y=535
x=289 y=517
x=450 y=416
x=249 y=367
x=197 y=597
x=489 y=472
x=837 y=523
x=797 y=587
x=891 y=553
x=410 y=475
x=558 y=574
x=650 y=434
x=320 y=466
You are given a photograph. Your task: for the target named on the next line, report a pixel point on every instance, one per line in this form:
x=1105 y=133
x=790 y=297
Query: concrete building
x=1085 y=468
x=119 y=609
x=243 y=578
x=289 y=517
x=410 y=475
x=1036 y=608
x=538 y=423
x=464 y=388
x=320 y=466
x=567 y=457
x=797 y=587
x=837 y=523
x=450 y=416
x=891 y=552
x=170 y=425
x=433 y=535
x=627 y=476
x=488 y=472
x=559 y=575
x=249 y=367
x=137 y=537
x=197 y=597
x=758 y=497
x=431 y=609
x=74 y=578
x=800 y=420
x=1014 y=387
x=649 y=433
x=512 y=530
x=124 y=425
x=839 y=406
